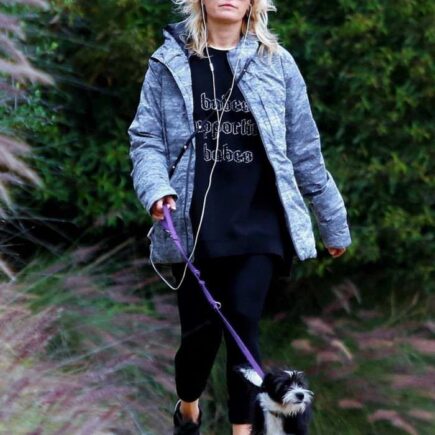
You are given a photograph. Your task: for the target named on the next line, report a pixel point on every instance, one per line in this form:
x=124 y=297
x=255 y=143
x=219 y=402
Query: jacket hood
x=176 y=32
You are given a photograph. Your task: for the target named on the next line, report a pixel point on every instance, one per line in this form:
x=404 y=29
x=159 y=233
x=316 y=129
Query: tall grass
x=372 y=368
x=115 y=333
x=16 y=71
x=41 y=396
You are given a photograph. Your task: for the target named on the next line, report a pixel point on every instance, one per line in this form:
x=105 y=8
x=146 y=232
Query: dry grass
x=14 y=170
x=382 y=367
x=37 y=395
x=92 y=342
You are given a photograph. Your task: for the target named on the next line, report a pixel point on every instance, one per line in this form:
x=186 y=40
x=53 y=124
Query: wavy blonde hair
x=196 y=35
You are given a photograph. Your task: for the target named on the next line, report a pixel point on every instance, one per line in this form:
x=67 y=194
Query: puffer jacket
x=276 y=93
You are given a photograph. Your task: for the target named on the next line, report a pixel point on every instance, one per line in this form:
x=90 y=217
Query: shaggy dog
x=283 y=402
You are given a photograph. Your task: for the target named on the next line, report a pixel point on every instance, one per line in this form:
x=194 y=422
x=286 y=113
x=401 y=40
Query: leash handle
x=168 y=226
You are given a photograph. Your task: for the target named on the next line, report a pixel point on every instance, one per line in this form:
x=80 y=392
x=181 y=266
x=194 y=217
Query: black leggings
x=240 y=283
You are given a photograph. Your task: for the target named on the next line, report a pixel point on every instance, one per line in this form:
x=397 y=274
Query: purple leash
x=168 y=226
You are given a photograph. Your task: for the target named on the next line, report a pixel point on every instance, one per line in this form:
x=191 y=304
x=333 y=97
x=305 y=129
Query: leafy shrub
x=369 y=72
x=369 y=69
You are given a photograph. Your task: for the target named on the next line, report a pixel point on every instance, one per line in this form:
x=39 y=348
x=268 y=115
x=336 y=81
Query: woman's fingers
x=158 y=207
x=170 y=200
x=157 y=210
x=336 y=252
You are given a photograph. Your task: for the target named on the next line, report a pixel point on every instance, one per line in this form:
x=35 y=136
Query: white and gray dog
x=283 y=401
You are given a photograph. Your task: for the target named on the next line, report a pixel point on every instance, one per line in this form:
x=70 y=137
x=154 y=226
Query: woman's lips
x=228 y=6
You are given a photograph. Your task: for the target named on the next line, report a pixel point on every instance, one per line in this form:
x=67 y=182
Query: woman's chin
x=228 y=18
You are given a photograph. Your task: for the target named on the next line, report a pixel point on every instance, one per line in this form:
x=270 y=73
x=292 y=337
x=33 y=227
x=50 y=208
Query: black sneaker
x=182 y=427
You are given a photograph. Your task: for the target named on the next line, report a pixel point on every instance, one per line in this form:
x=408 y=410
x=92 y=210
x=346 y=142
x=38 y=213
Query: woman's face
x=226 y=11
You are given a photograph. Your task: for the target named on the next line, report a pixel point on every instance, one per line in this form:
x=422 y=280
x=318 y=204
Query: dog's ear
x=250 y=375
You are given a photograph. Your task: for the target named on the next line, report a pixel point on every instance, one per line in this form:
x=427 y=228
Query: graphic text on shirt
x=224 y=153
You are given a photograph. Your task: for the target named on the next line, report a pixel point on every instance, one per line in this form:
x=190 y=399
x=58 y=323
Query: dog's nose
x=299 y=396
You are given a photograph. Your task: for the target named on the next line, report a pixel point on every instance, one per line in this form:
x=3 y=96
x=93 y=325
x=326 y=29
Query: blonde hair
x=196 y=35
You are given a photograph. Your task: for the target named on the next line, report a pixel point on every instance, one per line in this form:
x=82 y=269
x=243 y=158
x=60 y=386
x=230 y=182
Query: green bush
x=92 y=51
x=369 y=69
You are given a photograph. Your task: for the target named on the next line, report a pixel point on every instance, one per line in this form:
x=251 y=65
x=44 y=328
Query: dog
x=283 y=404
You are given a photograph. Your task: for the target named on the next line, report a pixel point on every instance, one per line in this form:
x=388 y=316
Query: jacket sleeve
x=304 y=150
x=147 y=146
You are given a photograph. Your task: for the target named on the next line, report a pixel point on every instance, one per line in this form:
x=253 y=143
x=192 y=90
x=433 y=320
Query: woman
x=222 y=86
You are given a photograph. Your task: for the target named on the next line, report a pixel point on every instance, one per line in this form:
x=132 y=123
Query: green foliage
x=369 y=69
x=96 y=52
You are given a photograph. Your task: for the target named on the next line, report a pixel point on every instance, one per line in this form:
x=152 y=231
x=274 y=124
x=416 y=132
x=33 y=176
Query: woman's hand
x=336 y=252
x=157 y=208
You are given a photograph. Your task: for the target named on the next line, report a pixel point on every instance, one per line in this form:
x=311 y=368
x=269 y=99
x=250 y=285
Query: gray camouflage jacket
x=276 y=93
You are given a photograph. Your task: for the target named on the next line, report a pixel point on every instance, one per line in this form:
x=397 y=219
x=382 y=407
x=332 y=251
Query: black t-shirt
x=243 y=213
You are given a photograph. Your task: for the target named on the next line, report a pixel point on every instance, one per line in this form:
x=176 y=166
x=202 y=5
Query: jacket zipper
x=267 y=154
x=188 y=171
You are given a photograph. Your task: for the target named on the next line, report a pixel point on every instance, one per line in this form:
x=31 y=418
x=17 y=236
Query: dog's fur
x=283 y=402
